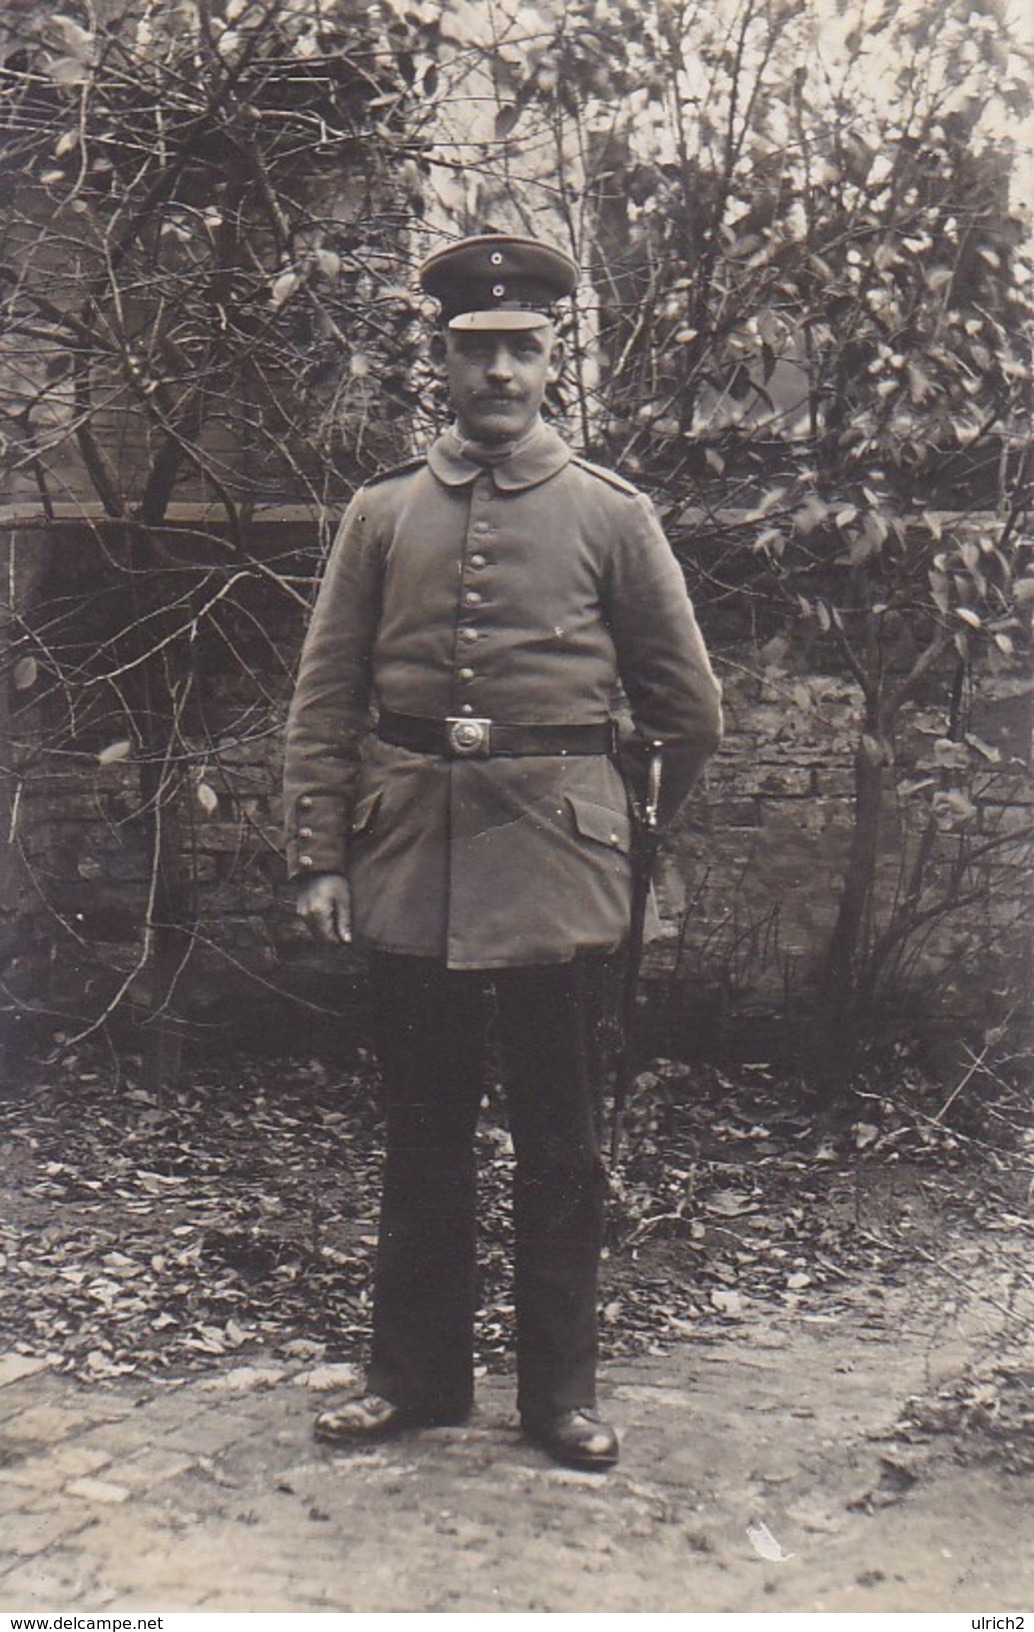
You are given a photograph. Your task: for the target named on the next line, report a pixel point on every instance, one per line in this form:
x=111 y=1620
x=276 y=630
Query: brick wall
x=751 y=881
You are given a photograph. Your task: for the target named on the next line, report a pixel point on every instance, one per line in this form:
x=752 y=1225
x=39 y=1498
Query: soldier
x=454 y=803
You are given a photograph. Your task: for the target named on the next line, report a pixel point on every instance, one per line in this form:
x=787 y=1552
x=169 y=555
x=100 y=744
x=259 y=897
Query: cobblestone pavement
x=211 y=1494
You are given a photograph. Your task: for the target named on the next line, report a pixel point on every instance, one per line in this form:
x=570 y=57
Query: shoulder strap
x=405 y=469
x=611 y=477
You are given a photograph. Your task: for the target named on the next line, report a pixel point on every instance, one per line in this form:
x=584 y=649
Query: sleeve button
x=305 y=861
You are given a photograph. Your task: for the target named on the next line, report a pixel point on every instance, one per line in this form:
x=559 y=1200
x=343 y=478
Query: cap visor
x=497 y=319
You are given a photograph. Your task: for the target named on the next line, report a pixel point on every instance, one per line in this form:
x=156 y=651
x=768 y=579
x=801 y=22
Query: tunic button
x=305 y=832
x=466 y=674
x=496 y=259
x=481 y=526
x=472 y=598
x=468 y=635
x=305 y=802
x=305 y=861
x=468 y=708
x=477 y=561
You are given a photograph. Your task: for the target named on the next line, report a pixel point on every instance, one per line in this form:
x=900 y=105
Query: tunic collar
x=535 y=459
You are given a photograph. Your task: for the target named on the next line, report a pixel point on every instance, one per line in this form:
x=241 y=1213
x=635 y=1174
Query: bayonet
x=644 y=856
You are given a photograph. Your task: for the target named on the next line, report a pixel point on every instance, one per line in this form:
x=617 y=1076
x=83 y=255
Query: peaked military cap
x=498 y=281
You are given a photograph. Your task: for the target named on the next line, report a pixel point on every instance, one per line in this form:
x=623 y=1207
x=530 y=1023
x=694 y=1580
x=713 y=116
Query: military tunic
x=530 y=592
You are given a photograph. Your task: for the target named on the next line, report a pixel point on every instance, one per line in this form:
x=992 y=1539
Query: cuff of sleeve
x=316 y=835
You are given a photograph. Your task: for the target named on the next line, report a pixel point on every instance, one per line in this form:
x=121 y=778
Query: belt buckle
x=468 y=738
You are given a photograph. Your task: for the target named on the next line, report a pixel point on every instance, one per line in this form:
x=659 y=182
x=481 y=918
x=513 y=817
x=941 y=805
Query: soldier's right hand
x=326 y=906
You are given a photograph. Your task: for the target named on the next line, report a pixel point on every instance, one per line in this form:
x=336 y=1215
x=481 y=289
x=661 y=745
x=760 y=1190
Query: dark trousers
x=431 y=1033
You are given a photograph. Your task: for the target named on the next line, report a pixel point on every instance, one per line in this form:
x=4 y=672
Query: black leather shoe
x=370 y=1418
x=580 y=1439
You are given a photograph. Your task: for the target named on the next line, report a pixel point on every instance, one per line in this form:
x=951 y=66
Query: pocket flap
x=364 y=813
x=607 y=827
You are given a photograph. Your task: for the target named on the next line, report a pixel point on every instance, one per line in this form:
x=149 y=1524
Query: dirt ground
x=820 y=1367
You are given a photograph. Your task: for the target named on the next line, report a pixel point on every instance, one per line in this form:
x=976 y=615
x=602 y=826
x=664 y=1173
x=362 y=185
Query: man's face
x=498 y=378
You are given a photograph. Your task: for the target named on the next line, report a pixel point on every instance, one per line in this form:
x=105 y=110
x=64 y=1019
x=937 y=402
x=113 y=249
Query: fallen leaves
x=241 y=1214
x=98 y=1490
x=730 y=1203
x=727 y=1302
x=154 y=1238
x=327 y=1377
x=765 y=1544
x=989 y=1412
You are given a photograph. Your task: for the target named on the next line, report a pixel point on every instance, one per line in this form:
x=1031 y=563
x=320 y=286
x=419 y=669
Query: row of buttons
x=473 y=598
x=305 y=803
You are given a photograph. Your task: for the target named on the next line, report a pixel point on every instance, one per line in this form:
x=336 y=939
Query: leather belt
x=466 y=736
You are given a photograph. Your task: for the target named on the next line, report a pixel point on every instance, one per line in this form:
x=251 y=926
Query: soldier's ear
x=557 y=353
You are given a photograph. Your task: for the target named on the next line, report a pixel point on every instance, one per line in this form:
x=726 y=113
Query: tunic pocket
x=610 y=828
x=364 y=813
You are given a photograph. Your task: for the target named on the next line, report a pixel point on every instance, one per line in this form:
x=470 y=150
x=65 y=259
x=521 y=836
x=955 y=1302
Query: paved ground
x=774 y=1439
